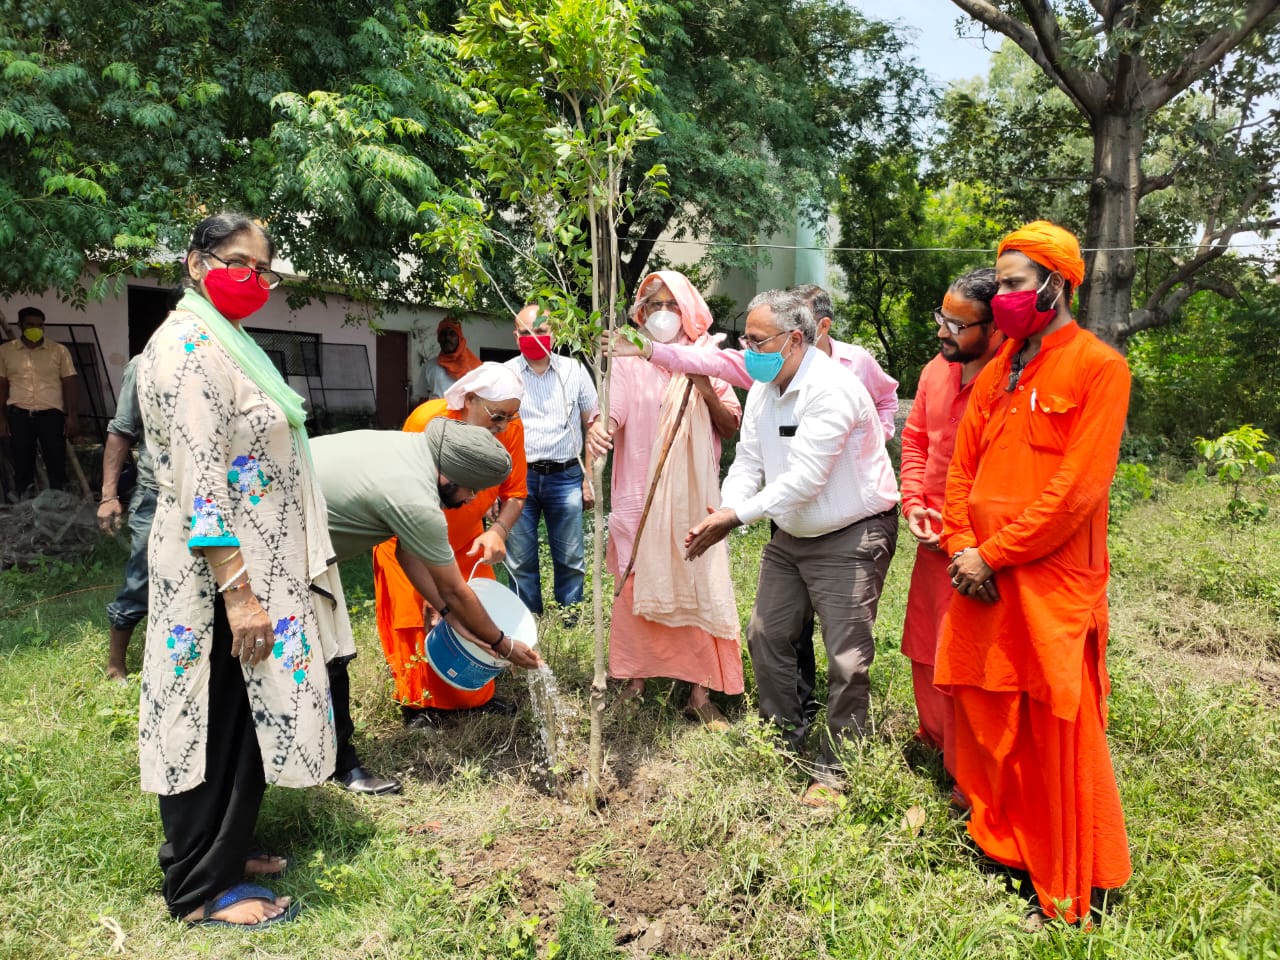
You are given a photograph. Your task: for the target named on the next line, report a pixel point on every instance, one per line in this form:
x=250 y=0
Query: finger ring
x=259 y=642
x=955 y=581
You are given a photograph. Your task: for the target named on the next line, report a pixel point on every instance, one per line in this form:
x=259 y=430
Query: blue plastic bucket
x=462 y=664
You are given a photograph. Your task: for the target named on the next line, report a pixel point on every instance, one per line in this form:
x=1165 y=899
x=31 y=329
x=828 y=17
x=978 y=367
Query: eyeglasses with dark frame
x=748 y=344
x=240 y=272
x=954 y=327
x=497 y=418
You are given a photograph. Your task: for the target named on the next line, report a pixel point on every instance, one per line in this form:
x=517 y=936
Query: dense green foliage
x=337 y=128
x=758 y=102
x=1142 y=126
x=125 y=122
x=1215 y=367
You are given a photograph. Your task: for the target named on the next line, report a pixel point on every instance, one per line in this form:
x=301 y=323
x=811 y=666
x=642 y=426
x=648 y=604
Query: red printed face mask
x=535 y=346
x=234 y=299
x=1016 y=314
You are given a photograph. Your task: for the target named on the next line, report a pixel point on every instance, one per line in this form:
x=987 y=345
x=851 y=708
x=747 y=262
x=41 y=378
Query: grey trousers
x=839 y=577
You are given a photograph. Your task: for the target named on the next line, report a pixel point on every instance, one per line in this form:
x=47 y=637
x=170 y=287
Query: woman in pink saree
x=673 y=618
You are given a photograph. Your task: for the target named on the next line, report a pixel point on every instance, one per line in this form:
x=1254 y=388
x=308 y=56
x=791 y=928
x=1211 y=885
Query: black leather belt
x=545 y=467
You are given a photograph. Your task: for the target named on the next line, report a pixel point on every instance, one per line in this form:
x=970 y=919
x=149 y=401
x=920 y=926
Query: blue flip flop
x=238 y=894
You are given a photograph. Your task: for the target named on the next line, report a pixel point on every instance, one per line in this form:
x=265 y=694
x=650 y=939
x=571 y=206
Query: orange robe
x=1028 y=487
x=399 y=606
x=927 y=444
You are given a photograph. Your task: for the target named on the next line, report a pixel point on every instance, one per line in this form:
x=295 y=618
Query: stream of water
x=544 y=698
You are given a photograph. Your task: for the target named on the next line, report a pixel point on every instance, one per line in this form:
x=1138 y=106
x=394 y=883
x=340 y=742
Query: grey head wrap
x=471 y=457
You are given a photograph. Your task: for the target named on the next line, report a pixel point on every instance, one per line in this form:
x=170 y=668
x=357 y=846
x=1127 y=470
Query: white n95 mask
x=662 y=325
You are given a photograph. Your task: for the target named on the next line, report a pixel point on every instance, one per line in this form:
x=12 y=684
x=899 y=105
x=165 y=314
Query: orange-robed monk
x=488 y=396
x=1023 y=649
x=967 y=341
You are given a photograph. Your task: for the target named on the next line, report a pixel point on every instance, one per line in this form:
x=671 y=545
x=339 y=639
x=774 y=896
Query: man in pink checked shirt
x=730 y=365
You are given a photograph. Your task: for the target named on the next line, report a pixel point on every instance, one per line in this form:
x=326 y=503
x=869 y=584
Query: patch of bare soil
x=1220 y=670
x=648 y=888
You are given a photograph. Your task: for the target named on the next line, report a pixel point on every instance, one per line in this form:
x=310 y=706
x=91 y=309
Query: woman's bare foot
x=698 y=696
x=634 y=690
x=265 y=865
x=248 y=912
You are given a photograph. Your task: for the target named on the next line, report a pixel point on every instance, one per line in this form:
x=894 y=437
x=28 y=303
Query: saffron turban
x=489 y=381
x=471 y=457
x=1050 y=246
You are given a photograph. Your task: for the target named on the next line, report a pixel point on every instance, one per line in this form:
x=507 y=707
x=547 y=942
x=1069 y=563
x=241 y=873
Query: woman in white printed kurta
x=230 y=474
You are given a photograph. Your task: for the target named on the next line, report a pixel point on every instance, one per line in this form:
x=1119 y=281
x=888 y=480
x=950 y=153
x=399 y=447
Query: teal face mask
x=763 y=367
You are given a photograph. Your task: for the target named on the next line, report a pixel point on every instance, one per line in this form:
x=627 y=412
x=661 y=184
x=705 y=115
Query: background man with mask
x=811 y=458
x=559 y=404
x=454 y=361
x=967 y=342
x=380 y=484
x=37 y=402
x=1024 y=645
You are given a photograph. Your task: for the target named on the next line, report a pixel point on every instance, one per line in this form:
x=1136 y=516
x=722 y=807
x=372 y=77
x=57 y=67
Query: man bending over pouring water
x=379 y=484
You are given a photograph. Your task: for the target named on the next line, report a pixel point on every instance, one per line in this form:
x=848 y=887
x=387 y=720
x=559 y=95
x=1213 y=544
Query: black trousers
x=208 y=829
x=343 y=725
x=43 y=427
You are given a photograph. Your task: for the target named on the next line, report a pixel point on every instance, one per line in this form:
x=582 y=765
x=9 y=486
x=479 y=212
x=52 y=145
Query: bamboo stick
x=653 y=486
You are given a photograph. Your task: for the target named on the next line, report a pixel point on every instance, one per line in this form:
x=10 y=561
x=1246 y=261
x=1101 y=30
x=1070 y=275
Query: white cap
x=489 y=381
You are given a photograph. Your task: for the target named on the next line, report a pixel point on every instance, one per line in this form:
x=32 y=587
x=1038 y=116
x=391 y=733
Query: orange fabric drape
x=928 y=440
x=1028 y=487
x=399 y=606
x=1043 y=790
x=462 y=361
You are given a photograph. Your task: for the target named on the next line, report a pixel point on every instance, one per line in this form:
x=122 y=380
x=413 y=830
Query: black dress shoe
x=496 y=705
x=360 y=780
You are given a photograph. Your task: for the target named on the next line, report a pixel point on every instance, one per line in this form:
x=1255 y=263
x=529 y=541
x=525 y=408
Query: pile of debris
x=53 y=524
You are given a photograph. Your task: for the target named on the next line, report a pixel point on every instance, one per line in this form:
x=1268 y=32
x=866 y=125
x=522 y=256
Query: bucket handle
x=515 y=586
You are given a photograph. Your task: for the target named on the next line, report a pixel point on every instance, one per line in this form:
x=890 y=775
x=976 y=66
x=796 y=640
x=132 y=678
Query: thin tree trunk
x=599 y=677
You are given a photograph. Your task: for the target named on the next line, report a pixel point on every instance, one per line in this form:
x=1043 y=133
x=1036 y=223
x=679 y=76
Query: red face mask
x=535 y=346
x=1016 y=314
x=234 y=299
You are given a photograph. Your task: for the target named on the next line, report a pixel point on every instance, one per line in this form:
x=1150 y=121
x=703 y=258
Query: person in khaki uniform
x=37 y=401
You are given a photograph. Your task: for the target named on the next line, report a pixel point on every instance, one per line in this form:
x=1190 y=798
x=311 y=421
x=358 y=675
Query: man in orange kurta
x=1023 y=649
x=967 y=341
x=488 y=396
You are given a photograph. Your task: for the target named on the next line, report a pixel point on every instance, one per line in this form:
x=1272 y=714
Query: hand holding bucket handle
x=509 y=648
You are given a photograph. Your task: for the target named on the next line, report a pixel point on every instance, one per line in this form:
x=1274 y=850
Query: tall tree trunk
x=1105 y=299
x=599 y=676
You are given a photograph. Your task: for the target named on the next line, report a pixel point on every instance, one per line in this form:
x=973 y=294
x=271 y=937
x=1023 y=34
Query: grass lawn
x=702 y=849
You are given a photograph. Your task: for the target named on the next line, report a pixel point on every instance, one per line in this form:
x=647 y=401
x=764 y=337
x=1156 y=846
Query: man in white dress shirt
x=559 y=404
x=811 y=458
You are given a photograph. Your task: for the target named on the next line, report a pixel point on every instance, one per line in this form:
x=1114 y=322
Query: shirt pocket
x=1050 y=421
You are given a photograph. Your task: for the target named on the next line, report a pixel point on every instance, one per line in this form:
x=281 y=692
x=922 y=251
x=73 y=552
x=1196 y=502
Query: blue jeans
x=557 y=498
x=130 y=604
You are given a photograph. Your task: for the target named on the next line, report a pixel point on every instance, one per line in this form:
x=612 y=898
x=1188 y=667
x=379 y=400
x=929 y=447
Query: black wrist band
x=443 y=611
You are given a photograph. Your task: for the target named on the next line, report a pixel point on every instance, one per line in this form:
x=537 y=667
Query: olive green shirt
x=380 y=484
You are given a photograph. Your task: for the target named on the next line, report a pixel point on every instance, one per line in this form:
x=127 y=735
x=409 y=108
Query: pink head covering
x=695 y=315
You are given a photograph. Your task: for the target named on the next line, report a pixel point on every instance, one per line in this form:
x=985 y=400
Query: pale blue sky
x=938 y=50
